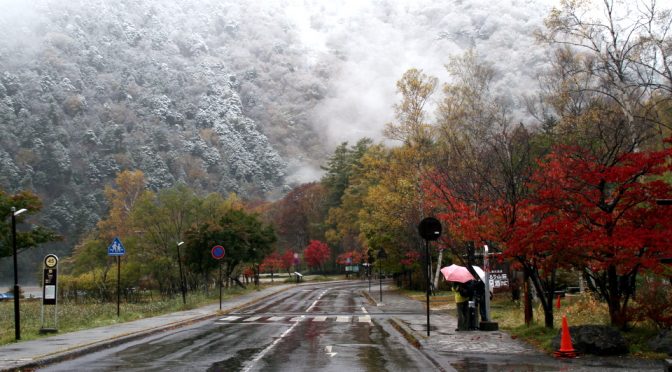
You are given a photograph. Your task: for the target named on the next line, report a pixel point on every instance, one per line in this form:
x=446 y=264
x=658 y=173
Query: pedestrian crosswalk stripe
x=230 y=318
x=319 y=318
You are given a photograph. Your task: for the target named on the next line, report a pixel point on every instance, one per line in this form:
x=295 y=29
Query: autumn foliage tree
x=37 y=235
x=349 y=258
x=272 y=263
x=316 y=254
x=287 y=259
x=605 y=215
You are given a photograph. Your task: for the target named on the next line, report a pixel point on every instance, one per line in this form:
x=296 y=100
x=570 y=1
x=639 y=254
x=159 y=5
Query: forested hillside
x=224 y=96
x=89 y=88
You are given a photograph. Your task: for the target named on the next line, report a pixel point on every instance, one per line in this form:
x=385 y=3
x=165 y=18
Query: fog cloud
x=377 y=41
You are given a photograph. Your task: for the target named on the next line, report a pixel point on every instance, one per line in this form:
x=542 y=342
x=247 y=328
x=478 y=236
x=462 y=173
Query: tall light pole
x=381 y=256
x=179 y=263
x=17 y=314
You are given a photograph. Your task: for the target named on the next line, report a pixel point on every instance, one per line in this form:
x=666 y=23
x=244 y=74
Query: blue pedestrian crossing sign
x=116 y=249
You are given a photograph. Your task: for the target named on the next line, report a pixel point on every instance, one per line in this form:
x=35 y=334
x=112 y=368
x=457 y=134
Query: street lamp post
x=17 y=314
x=381 y=256
x=368 y=274
x=179 y=263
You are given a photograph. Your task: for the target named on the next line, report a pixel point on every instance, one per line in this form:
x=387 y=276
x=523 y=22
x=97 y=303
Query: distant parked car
x=6 y=296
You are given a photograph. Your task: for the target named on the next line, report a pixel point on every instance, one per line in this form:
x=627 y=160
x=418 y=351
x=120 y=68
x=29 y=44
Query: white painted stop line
x=230 y=318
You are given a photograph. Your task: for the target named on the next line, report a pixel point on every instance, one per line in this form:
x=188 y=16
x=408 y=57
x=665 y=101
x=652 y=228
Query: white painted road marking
x=310 y=308
x=321 y=318
x=328 y=349
x=364 y=319
x=269 y=347
x=230 y=318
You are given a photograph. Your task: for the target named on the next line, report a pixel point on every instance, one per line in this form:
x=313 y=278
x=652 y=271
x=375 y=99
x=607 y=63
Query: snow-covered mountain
x=224 y=95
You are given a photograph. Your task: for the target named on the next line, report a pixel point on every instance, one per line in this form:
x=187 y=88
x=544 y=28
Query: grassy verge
x=84 y=315
x=580 y=310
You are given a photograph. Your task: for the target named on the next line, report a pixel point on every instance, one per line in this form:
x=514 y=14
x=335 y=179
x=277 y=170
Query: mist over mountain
x=224 y=96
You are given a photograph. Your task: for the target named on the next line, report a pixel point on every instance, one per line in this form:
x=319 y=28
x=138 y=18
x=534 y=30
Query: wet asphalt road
x=321 y=327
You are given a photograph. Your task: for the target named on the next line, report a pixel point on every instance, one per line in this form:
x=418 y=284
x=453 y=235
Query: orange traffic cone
x=566 y=348
x=557 y=304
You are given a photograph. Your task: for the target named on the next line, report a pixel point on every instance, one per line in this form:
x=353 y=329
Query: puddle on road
x=236 y=362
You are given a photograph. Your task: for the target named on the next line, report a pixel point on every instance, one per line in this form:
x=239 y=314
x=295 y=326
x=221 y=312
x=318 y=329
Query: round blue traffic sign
x=217 y=252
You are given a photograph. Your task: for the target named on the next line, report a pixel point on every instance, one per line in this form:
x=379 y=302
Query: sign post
x=118 y=250
x=218 y=253
x=50 y=290
x=429 y=229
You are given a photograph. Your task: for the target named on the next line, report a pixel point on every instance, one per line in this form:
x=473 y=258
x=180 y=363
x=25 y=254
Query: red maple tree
x=272 y=263
x=316 y=254
x=287 y=260
x=355 y=258
x=583 y=212
x=601 y=217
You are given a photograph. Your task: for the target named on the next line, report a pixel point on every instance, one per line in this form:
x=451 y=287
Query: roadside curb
x=80 y=350
x=406 y=332
x=369 y=298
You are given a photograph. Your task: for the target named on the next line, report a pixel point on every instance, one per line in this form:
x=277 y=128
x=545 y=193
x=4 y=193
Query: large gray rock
x=662 y=343
x=595 y=339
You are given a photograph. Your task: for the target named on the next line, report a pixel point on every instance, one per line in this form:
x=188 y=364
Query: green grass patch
x=90 y=314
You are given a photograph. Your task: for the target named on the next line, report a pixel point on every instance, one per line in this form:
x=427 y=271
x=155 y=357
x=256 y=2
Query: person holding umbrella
x=459 y=276
x=462 y=306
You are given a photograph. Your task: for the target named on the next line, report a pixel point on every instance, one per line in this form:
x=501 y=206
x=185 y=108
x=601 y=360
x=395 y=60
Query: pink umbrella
x=456 y=273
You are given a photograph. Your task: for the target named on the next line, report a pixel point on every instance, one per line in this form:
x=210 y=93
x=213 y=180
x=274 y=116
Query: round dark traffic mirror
x=430 y=228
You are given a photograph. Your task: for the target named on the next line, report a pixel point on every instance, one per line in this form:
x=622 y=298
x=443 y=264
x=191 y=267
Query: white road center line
x=269 y=347
x=310 y=308
x=343 y=319
x=364 y=319
x=283 y=335
x=252 y=319
x=319 y=319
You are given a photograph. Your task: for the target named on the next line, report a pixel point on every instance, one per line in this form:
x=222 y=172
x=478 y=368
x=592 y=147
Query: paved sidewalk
x=446 y=346
x=34 y=353
x=443 y=336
